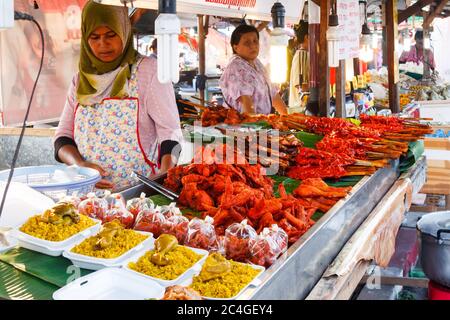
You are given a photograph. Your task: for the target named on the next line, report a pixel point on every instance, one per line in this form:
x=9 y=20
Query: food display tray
x=52 y=248
x=92 y=263
x=110 y=284
x=302 y=266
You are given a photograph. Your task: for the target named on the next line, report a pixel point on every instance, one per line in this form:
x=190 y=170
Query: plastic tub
x=53 y=248
x=110 y=284
x=93 y=263
x=40 y=178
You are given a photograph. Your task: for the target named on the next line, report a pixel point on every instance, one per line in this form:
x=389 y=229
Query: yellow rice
x=53 y=232
x=182 y=259
x=123 y=241
x=228 y=285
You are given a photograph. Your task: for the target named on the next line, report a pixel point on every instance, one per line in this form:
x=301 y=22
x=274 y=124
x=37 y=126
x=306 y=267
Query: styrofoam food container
x=12 y=242
x=53 y=248
x=92 y=263
x=189 y=272
x=110 y=284
x=254 y=283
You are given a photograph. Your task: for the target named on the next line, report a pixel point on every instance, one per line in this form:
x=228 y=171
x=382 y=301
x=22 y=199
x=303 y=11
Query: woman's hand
x=103 y=183
x=247 y=104
x=279 y=105
x=70 y=155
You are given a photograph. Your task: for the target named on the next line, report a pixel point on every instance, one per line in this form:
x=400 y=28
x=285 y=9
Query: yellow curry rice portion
x=227 y=285
x=123 y=241
x=53 y=232
x=181 y=258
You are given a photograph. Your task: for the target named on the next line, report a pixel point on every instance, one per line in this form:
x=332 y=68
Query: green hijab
x=97 y=78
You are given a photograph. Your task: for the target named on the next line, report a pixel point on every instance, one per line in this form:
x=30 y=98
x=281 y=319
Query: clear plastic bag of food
x=136 y=205
x=150 y=220
x=176 y=225
x=119 y=212
x=280 y=236
x=73 y=199
x=267 y=247
x=201 y=234
x=239 y=239
x=170 y=210
x=93 y=207
x=114 y=199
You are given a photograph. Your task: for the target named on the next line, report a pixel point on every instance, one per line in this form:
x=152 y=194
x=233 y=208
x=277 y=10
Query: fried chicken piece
x=195 y=198
x=316 y=187
x=178 y=292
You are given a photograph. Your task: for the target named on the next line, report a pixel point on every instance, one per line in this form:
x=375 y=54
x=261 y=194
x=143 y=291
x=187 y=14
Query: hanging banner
x=349 y=28
x=251 y=9
x=20 y=55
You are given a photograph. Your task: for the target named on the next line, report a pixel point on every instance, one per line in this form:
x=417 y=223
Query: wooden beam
x=433 y=14
x=426 y=62
x=412 y=10
x=339 y=288
x=324 y=70
x=392 y=55
x=340 y=90
x=317 y=2
x=201 y=52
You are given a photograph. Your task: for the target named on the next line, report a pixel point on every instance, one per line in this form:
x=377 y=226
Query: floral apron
x=107 y=134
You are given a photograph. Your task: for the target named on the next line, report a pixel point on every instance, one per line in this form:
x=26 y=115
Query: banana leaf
x=18 y=285
x=309 y=139
x=259 y=125
x=57 y=271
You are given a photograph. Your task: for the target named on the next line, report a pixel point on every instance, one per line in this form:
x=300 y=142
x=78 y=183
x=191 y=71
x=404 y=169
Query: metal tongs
x=156 y=186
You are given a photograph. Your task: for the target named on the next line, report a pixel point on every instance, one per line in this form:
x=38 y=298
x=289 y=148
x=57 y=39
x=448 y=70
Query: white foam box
x=110 y=284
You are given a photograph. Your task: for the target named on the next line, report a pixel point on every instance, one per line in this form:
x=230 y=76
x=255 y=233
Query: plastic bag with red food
x=136 y=205
x=113 y=199
x=265 y=250
x=280 y=236
x=239 y=239
x=93 y=207
x=176 y=225
x=72 y=199
x=150 y=220
x=170 y=210
x=119 y=212
x=201 y=234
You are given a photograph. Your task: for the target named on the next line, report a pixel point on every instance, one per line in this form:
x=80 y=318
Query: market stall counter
x=305 y=261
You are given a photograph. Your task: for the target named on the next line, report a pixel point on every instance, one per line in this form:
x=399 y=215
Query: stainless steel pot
x=434 y=229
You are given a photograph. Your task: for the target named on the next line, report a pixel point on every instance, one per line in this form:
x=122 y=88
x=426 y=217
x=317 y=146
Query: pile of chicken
x=233 y=192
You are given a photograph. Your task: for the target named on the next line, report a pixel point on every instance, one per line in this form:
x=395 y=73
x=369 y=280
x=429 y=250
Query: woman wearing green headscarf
x=118 y=117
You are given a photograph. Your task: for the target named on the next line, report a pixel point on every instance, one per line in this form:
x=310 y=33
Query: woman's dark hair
x=301 y=30
x=239 y=31
x=154 y=45
x=418 y=35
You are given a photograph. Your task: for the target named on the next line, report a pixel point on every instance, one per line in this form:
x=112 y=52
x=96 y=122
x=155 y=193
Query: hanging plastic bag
x=239 y=239
x=201 y=234
x=93 y=207
x=150 y=220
